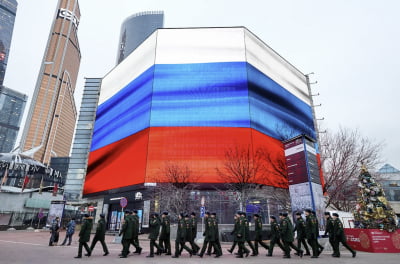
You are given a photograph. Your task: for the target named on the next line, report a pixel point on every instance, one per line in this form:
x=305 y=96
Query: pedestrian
x=287 y=237
x=339 y=237
x=236 y=222
x=247 y=234
x=84 y=236
x=126 y=233
x=181 y=237
x=300 y=228
x=312 y=232
x=329 y=228
x=100 y=235
x=275 y=236
x=193 y=225
x=319 y=246
x=241 y=236
x=70 y=230
x=154 y=225
x=258 y=234
x=54 y=231
x=135 y=232
x=165 y=234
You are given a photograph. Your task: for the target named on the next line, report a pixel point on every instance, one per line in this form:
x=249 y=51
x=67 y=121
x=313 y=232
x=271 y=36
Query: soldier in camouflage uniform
x=275 y=236
x=164 y=240
x=258 y=234
x=287 y=237
x=300 y=227
x=339 y=237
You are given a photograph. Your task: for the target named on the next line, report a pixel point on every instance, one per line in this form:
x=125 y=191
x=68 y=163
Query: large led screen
x=190 y=109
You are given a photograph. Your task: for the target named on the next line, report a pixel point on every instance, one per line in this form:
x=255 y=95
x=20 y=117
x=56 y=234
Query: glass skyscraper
x=12 y=105
x=8 y=9
x=135 y=29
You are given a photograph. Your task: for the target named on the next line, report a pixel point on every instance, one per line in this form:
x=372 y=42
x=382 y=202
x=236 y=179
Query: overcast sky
x=353 y=47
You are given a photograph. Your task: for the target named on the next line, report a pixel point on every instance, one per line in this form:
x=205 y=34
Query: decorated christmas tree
x=372 y=210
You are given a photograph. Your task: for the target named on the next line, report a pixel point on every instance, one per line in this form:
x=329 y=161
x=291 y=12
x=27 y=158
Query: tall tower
x=135 y=29
x=52 y=114
x=8 y=9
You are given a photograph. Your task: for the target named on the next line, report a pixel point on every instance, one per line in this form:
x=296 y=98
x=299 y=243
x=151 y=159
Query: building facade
x=12 y=106
x=389 y=177
x=52 y=115
x=8 y=10
x=82 y=141
x=135 y=29
x=185 y=97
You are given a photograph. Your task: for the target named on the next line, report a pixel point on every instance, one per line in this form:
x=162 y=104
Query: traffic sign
x=202 y=211
x=91 y=208
x=123 y=202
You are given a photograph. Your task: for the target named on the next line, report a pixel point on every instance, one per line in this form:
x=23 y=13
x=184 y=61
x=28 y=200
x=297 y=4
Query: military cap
x=134 y=211
x=256 y=215
x=193 y=213
x=86 y=215
x=207 y=213
x=243 y=213
x=298 y=213
x=186 y=215
x=272 y=217
x=165 y=213
x=335 y=214
x=156 y=214
x=313 y=212
x=127 y=211
x=102 y=215
x=214 y=214
x=280 y=214
x=308 y=211
x=284 y=214
x=327 y=213
x=181 y=215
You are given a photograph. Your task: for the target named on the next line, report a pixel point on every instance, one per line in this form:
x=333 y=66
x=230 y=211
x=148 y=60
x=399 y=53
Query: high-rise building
x=83 y=139
x=135 y=29
x=12 y=105
x=52 y=115
x=8 y=9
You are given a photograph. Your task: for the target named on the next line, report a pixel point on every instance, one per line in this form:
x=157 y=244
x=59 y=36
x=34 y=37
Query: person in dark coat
x=165 y=234
x=181 y=237
x=84 y=236
x=339 y=237
x=70 y=230
x=258 y=234
x=54 y=231
x=329 y=228
x=300 y=227
x=275 y=236
x=247 y=229
x=287 y=236
x=311 y=232
x=193 y=229
x=241 y=236
x=135 y=232
x=100 y=235
x=154 y=225
x=126 y=232
x=234 y=231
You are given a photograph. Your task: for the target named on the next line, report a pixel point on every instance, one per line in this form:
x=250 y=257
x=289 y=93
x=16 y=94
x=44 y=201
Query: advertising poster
x=56 y=209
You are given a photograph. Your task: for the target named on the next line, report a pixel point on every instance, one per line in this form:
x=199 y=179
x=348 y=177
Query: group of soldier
x=282 y=234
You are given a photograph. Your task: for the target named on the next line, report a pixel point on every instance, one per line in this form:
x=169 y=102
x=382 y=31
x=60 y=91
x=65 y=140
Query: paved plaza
x=32 y=247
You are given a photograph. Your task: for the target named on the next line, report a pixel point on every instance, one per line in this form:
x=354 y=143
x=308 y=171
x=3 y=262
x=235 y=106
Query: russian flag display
x=188 y=95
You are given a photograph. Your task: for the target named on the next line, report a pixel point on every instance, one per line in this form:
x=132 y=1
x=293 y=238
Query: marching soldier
x=287 y=236
x=126 y=232
x=247 y=229
x=218 y=248
x=319 y=246
x=312 y=232
x=241 y=236
x=181 y=237
x=100 y=235
x=339 y=237
x=258 y=238
x=164 y=240
x=329 y=228
x=154 y=225
x=193 y=225
x=301 y=233
x=275 y=236
x=135 y=232
x=236 y=219
x=84 y=236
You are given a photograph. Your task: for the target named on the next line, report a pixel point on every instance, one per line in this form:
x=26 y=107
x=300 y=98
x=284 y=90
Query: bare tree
x=341 y=156
x=172 y=193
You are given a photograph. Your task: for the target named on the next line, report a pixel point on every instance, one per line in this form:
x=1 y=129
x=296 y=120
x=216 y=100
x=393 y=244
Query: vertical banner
x=146 y=213
x=56 y=209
